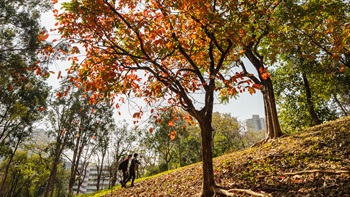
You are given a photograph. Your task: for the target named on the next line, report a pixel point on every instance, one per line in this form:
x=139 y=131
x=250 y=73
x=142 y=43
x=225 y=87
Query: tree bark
x=273 y=129
x=207 y=158
x=314 y=118
x=204 y=118
x=51 y=181
x=3 y=185
x=100 y=169
x=75 y=165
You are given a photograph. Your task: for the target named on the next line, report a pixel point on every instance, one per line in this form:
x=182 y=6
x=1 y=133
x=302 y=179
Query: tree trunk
x=75 y=166
x=273 y=129
x=114 y=172
x=314 y=118
x=207 y=159
x=51 y=181
x=100 y=171
x=3 y=185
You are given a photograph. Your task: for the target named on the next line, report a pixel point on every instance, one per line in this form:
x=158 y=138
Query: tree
x=26 y=175
x=226 y=136
x=314 y=49
x=91 y=122
x=22 y=94
x=164 y=139
x=61 y=128
x=105 y=127
x=305 y=88
x=331 y=38
x=165 y=50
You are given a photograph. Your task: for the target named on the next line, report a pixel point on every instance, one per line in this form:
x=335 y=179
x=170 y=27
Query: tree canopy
x=173 y=50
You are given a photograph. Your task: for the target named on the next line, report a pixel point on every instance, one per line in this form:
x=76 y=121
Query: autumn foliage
x=160 y=50
x=144 y=49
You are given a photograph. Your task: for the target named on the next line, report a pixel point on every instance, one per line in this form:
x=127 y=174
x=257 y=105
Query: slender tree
x=61 y=119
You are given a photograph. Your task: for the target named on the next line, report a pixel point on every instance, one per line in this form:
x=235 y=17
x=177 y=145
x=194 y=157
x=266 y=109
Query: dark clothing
x=133 y=164
x=124 y=167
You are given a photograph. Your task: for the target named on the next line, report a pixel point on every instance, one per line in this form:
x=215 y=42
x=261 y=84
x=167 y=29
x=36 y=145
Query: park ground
x=314 y=162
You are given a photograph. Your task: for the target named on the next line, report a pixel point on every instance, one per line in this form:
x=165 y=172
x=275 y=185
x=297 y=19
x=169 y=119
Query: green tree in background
x=165 y=139
x=27 y=175
x=22 y=93
x=305 y=91
x=226 y=135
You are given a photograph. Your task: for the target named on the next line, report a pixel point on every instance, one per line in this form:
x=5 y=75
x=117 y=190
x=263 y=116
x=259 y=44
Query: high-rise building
x=90 y=181
x=256 y=123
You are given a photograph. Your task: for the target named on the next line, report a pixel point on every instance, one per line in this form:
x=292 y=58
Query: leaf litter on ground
x=314 y=162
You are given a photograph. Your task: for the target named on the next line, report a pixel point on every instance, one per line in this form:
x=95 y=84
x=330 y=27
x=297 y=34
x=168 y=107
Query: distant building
x=90 y=181
x=256 y=123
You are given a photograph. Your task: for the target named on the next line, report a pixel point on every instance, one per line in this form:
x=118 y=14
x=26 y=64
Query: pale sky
x=242 y=108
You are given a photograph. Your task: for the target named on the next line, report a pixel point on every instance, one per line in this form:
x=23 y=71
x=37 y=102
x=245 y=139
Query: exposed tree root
x=231 y=192
x=318 y=171
x=261 y=142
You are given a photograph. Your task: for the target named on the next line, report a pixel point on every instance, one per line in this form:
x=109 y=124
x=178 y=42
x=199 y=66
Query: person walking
x=134 y=163
x=124 y=167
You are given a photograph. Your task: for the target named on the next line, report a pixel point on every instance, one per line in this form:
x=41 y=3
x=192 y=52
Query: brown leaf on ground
x=315 y=162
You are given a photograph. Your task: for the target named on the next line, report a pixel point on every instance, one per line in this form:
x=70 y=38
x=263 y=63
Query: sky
x=242 y=108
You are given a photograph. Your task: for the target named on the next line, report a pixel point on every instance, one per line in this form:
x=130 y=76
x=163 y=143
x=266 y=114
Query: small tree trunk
x=3 y=185
x=113 y=172
x=53 y=173
x=51 y=181
x=314 y=118
x=74 y=167
x=207 y=159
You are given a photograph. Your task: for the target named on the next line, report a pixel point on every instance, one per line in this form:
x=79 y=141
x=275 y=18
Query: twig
x=317 y=171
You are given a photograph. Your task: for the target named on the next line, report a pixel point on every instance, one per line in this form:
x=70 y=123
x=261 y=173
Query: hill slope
x=313 y=163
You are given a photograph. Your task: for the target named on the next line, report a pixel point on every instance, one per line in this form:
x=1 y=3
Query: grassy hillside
x=313 y=163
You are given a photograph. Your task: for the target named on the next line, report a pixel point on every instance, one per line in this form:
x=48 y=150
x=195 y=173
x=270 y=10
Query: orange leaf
x=172 y=135
x=257 y=86
x=59 y=94
x=265 y=75
x=251 y=90
x=151 y=130
x=170 y=123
